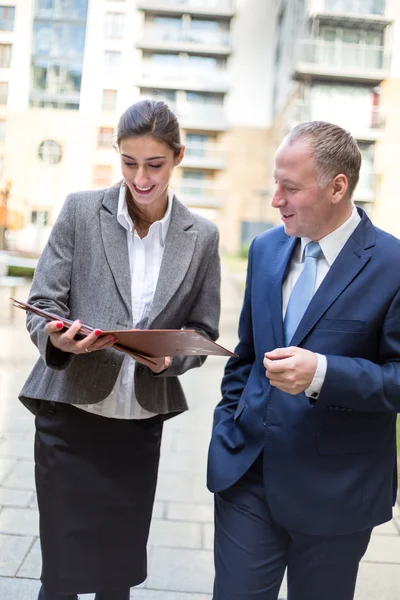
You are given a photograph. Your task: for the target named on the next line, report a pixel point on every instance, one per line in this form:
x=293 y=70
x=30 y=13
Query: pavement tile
x=378 y=582
x=16 y=447
x=388 y=528
x=383 y=549
x=19 y=521
x=177 y=534
x=163 y=595
x=182 y=462
x=6 y=465
x=158 y=509
x=208 y=536
x=181 y=570
x=182 y=511
x=14 y=497
x=32 y=565
x=21 y=477
x=175 y=487
x=12 y=552
x=18 y=589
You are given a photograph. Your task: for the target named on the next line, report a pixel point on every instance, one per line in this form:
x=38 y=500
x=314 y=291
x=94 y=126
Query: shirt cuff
x=315 y=387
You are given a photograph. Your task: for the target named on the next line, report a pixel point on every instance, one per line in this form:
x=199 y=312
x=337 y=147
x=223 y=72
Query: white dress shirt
x=331 y=245
x=145 y=256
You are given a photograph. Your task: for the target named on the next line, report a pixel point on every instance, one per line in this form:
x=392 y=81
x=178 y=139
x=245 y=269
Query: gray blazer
x=83 y=273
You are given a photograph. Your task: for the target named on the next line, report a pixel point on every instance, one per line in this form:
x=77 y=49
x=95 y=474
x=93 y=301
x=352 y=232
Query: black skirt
x=96 y=479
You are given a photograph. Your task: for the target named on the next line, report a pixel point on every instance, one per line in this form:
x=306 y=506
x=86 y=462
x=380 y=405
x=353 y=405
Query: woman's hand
x=162 y=364
x=64 y=340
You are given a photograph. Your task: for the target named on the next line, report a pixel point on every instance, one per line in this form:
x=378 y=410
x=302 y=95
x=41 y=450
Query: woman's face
x=147 y=164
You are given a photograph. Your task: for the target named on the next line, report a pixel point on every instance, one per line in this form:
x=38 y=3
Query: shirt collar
x=333 y=243
x=125 y=220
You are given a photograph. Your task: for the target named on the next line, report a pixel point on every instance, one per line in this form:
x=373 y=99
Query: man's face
x=306 y=209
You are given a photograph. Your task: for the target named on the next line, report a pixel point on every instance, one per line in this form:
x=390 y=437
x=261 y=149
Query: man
x=303 y=456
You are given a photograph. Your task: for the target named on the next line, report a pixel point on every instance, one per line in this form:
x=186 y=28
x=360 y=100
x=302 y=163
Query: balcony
x=361 y=13
x=365 y=125
x=216 y=43
x=341 y=61
x=195 y=115
x=200 y=193
x=174 y=77
x=365 y=189
x=224 y=9
x=204 y=156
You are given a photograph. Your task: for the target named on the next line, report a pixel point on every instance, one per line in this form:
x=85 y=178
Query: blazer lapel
x=115 y=245
x=350 y=261
x=179 y=248
x=279 y=271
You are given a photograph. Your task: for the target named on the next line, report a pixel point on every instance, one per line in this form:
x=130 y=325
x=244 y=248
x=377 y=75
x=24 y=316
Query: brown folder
x=145 y=344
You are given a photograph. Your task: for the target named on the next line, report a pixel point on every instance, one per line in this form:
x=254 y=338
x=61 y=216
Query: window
x=50 y=152
x=40 y=217
x=72 y=9
x=3 y=92
x=5 y=55
x=109 y=100
x=105 y=137
x=193 y=182
x=166 y=28
x=112 y=61
x=102 y=175
x=2 y=130
x=114 y=25
x=196 y=144
x=7 y=14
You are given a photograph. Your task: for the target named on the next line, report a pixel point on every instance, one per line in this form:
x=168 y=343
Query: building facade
x=69 y=68
x=337 y=71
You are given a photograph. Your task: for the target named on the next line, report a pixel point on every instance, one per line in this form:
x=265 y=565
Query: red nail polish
x=97 y=331
x=59 y=325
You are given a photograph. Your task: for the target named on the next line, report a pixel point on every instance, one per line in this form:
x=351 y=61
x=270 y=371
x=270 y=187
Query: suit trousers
x=252 y=551
x=114 y=595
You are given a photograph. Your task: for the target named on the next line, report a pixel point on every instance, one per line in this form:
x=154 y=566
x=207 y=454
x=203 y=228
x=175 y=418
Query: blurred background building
x=238 y=74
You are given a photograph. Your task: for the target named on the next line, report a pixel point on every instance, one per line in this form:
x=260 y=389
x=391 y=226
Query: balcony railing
x=186 y=77
x=183 y=36
x=214 y=5
x=195 y=115
x=360 y=7
x=343 y=56
x=206 y=155
x=356 y=119
x=200 y=193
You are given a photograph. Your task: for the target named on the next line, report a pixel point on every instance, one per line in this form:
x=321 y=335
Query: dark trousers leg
x=114 y=595
x=325 y=567
x=43 y=595
x=250 y=550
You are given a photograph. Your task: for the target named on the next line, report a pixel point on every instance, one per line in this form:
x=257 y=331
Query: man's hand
x=290 y=369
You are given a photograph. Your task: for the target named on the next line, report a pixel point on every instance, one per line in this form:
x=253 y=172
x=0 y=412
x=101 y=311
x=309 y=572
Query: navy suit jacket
x=329 y=466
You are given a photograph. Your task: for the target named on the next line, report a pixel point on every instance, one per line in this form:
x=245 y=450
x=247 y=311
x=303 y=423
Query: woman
x=131 y=256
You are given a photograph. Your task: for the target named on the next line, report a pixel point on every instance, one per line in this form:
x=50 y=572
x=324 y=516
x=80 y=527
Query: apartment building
x=333 y=72
x=68 y=69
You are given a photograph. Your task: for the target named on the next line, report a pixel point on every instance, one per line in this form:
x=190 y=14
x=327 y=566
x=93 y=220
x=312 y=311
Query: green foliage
x=21 y=271
x=244 y=250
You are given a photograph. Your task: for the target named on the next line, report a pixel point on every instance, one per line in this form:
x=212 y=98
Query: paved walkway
x=180 y=546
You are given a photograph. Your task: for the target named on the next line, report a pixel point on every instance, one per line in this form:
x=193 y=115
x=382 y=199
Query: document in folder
x=145 y=344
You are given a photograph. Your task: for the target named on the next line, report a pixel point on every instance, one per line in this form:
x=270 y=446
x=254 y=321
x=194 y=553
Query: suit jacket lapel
x=179 y=248
x=279 y=271
x=115 y=245
x=350 y=261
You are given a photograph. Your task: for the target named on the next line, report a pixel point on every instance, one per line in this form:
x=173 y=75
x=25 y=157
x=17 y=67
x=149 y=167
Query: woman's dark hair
x=153 y=118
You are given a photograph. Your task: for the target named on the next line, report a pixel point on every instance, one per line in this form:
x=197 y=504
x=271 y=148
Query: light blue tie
x=302 y=292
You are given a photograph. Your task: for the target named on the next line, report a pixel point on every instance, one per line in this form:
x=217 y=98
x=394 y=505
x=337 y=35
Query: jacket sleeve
x=51 y=284
x=361 y=384
x=204 y=315
x=238 y=368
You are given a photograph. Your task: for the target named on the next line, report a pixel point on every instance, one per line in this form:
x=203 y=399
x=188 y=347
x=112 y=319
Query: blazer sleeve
x=238 y=368
x=362 y=385
x=204 y=314
x=51 y=284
